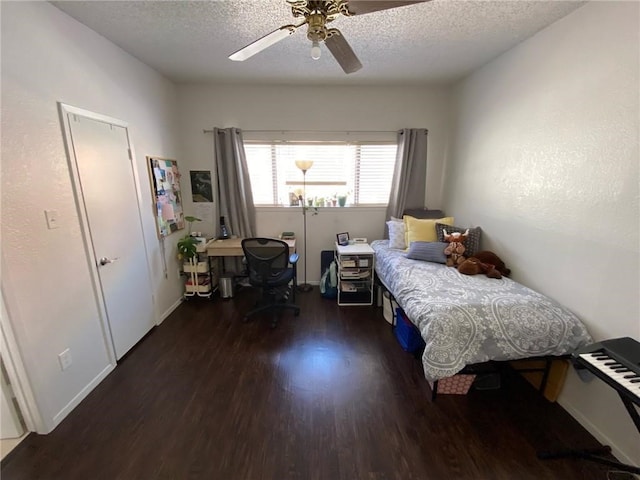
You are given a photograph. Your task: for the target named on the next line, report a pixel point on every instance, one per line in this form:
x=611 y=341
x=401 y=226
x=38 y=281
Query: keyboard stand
x=593 y=454
x=590 y=454
x=633 y=413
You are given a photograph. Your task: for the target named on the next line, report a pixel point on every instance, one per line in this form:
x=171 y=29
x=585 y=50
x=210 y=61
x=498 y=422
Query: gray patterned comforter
x=472 y=319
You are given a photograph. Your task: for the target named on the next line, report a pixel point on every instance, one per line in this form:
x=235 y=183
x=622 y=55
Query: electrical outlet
x=65 y=359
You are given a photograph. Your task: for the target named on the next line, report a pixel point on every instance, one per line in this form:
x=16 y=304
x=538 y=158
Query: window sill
x=350 y=208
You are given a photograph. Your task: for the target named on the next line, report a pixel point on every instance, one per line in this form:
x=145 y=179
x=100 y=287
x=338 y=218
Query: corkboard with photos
x=165 y=188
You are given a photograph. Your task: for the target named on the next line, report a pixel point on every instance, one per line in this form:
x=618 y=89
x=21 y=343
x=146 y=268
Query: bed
x=466 y=320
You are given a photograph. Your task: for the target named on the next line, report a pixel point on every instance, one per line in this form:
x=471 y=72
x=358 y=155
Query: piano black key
x=617 y=362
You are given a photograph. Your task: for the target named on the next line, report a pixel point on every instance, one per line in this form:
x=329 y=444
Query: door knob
x=104 y=260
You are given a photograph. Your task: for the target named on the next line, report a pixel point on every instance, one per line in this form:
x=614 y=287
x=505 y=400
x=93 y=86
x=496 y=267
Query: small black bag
x=329 y=282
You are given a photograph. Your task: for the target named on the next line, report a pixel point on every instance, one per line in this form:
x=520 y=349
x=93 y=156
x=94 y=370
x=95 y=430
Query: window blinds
x=363 y=171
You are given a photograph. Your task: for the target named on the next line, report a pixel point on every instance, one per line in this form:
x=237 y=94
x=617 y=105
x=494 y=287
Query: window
x=360 y=171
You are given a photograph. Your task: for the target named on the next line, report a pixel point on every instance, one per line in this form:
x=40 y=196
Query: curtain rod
x=313 y=131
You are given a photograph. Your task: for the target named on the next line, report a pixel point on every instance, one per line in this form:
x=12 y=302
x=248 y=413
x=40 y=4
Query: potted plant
x=187 y=245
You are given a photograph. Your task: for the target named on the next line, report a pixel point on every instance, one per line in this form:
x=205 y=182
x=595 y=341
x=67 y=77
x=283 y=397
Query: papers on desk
x=201 y=246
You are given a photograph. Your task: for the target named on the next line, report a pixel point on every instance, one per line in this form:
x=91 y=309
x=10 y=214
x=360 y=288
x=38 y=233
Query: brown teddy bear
x=486 y=256
x=456 y=248
x=473 y=266
x=484 y=262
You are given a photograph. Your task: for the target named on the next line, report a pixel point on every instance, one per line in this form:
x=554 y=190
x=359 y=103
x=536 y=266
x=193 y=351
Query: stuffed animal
x=484 y=262
x=486 y=256
x=456 y=248
x=473 y=266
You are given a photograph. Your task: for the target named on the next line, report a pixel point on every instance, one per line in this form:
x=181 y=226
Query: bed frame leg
x=545 y=375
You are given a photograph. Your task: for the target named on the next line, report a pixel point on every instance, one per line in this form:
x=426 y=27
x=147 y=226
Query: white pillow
x=396 y=234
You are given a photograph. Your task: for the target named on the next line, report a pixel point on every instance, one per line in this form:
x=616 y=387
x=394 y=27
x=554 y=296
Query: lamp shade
x=304 y=165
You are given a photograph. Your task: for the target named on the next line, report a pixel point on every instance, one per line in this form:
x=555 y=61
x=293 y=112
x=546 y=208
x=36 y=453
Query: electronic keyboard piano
x=617 y=363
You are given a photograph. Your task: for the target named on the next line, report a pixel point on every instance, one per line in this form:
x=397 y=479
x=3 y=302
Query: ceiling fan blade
x=360 y=7
x=264 y=42
x=341 y=50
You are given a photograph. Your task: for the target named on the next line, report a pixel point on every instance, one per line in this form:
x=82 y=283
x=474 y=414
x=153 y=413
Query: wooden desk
x=232 y=247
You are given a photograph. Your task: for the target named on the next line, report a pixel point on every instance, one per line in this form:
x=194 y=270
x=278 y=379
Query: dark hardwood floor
x=327 y=395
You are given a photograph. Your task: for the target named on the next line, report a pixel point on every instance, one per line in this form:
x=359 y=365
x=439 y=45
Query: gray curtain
x=235 y=200
x=409 y=176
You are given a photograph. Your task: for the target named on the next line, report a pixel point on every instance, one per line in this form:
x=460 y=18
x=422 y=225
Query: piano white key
x=619 y=379
x=598 y=360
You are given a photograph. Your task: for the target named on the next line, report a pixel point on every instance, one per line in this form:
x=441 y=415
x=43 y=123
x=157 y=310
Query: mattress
x=466 y=320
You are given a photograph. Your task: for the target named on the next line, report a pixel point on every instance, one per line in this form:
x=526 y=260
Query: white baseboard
x=170 y=310
x=75 y=401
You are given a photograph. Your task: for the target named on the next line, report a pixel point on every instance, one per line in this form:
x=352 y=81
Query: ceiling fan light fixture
x=315 y=50
x=316 y=14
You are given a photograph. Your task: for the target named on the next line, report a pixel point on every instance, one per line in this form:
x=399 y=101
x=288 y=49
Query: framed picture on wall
x=343 y=238
x=201 y=189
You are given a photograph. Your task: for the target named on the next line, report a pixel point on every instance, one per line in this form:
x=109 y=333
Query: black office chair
x=268 y=263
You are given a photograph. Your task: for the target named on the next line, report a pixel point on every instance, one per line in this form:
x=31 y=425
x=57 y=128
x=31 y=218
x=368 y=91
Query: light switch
x=65 y=359
x=52 y=219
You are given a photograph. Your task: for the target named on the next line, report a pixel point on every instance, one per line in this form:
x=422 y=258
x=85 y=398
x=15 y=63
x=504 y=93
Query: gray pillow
x=471 y=243
x=424 y=213
x=428 y=251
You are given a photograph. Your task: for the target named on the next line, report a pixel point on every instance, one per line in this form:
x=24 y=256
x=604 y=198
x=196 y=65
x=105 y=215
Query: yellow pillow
x=422 y=230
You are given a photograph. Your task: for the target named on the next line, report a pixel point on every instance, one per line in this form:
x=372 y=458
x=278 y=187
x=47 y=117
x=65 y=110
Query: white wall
x=545 y=160
x=48 y=57
x=316 y=109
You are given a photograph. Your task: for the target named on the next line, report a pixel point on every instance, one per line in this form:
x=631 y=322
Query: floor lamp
x=304 y=165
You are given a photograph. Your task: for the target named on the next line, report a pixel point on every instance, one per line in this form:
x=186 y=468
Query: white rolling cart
x=202 y=278
x=355 y=274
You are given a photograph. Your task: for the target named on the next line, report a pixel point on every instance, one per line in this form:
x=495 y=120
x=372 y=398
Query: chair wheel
x=296 y=313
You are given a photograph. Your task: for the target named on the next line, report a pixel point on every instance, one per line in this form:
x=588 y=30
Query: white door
x=106 y=187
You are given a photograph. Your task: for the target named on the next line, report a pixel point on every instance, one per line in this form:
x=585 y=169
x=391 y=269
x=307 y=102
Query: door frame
x=92 y=262
x=16 y=370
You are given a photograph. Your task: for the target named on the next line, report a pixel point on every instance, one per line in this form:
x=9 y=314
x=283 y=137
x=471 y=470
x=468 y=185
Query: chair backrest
x=266 y=258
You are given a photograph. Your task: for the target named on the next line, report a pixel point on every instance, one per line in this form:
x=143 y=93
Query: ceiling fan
x=316 y=15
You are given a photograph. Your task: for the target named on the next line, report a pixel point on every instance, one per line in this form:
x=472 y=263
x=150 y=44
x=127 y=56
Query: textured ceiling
x=435 y=42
